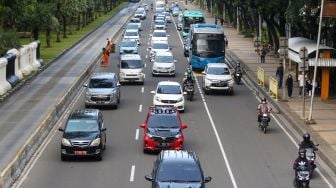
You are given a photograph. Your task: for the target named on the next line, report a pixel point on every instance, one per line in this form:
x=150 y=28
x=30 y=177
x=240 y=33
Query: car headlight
x=208 y=80
x=66 y=142
x=180 y=100
x=95 y=142
x=140 y=74
x=121 y=74
x=178 y=135
x=157 y=98
x=231 y=81
x=149 y=135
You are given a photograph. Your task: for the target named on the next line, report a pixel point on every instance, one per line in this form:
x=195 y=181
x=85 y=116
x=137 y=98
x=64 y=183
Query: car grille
x=80 y=143
x=163 y=139
x=131 y=75
x=100 y=98
x=128 y=51
x=169 y=101
x=220 y=84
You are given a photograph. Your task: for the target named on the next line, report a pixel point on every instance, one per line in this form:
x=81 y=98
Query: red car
x=163 y=129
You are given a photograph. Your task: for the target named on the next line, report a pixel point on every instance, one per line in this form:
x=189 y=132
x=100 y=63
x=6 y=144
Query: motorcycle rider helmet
x=302 y=153
x=238 y=64
x=306 y=137
x=263 y=100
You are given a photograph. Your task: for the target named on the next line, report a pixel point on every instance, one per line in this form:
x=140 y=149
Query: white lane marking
x=145 y=65
x=132 y=173
x=227 y=164
x=146 y=56
x=140 y=107
x=137 y=134
x=297 y=146
x=144 y=76
x=142 y=89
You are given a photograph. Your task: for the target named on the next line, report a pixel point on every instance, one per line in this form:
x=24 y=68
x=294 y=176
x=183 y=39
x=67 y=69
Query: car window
x=163 y=121
x=132 y=26
x=159 y=22
x=81 y=125
x=169 y=89
x=163 y=59
x=172 y=170
x=101 y=83
x=130 y=64
x=128 y=44
x=218 y=71
x=131 y=33
x=159 y=34
x=160 y=46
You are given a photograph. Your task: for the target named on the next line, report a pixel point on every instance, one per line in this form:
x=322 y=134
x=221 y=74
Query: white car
x=159 y=35
x=217 y=76
x=159 y=24
x=132 y=34
x=158 y=46
x=131 y=68
x=169 y=93
x=140 y=14
x=137 y=21
x=168 y=18
x=163 y=64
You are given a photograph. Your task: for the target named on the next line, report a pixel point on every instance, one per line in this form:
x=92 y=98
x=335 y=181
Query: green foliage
x=8 y=40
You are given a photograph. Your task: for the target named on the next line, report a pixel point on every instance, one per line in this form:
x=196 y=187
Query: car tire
x=87 y=106
x=99 y=157
x=182 y=111
x=231 y=92
x=64 y=158
x=206 y=92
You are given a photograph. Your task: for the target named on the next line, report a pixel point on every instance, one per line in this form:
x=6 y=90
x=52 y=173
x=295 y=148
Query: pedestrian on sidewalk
x=222 y=21
x=309 y=86
x=301 y=80
x=289 y=84
x=279 y=74
x=263 y=54
x=226 y=41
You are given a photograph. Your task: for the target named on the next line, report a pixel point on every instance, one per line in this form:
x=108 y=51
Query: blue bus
x=205 y=44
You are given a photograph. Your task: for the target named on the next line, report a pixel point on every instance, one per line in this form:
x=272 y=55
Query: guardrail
x=261 y=76
x=14 y=169
x=273 y=87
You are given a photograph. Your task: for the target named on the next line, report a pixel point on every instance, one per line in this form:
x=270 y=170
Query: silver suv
x=217 y=76
x=103 y=90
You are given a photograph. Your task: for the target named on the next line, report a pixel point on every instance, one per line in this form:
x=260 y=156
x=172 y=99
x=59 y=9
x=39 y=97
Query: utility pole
x=284 y=55
x=304 y=55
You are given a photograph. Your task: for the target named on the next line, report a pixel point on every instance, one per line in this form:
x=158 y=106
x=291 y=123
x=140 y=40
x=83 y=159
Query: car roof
x=173 y=83
x=84 y=114
x=103 y=75
x=179 y=155
x=217 y=65
x=160 y=42
x=160 y=31
x=130 y=57
x=163 y=54
x=131 y=30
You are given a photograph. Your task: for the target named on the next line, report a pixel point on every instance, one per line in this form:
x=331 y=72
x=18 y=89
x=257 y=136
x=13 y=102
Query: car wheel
x=182 y=111
x=231 y=92
x=115 y=106
x=64 y=158
x=87 y=106
x=153 y=75
x=206 y=92
x=99 y=157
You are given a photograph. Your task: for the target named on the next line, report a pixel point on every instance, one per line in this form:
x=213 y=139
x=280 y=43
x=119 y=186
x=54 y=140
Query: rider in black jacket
x=307 y=143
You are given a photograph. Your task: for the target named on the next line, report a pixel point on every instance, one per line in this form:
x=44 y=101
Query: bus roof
x=203 y=29
x=193 y=13
x=203 y=25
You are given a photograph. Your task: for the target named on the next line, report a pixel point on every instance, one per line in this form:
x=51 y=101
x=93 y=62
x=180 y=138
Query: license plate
x=80 y=153
x=163 y=145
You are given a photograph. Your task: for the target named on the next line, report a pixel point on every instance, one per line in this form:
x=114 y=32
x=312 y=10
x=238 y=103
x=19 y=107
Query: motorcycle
x=189 y=88
x=302 y=177
x=311 y=156
x=264 y=122
x=238 y=78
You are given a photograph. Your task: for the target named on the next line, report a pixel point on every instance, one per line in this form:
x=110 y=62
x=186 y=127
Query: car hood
x=169 y=96
x=179 y=185
x=163 y=65
x=130 y=71
x=81 y=136
x=160 y=50
x=128 y=48
x=164 y=132
x=101 y=91
x=218 y=77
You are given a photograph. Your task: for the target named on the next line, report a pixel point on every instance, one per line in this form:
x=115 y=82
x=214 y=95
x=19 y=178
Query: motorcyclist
x=301 y=160
x=188 y=77
x=263 y=107
x=238 y=69
x=306 y=142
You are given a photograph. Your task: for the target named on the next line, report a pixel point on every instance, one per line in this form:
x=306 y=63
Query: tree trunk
x=36 y=33
x=78 y=22
x=48 y=37
x=84 y=19
x=64 y=27
x=70 y=24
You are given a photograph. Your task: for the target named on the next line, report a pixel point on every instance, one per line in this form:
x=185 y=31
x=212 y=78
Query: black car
x=180 y=168
x=84 y=135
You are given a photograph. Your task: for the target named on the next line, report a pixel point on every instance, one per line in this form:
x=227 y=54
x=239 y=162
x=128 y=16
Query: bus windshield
x=208 y=45
x=191 y=20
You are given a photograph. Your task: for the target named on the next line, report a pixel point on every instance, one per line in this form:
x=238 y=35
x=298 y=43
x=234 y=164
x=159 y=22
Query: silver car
x=103 y=90
x=131 y=68
x=217 y=76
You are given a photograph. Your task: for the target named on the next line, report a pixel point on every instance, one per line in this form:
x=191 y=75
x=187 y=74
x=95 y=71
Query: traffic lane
x=267 y=158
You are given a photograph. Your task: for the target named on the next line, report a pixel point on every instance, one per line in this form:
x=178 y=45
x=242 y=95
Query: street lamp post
x=303 y=56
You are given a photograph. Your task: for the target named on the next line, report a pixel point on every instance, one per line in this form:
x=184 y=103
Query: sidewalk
x=324 y=112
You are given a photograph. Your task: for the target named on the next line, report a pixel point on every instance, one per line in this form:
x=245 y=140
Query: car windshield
x=179 y=171
x=131 y=33
x=130 y=64
x=218 y=71
x=132 y=26
x=176 y=9
x=139 y=12
x=82 y=125
x=160 y=46
x=159 y=34
x=163 y=59
x=163 y=121
x=159 y=22
x=169 y=89
x=135 y=21
x=128 y=44
x=101 y=83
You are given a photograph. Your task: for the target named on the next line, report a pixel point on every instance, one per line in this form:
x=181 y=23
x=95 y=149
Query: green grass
x=56 y=48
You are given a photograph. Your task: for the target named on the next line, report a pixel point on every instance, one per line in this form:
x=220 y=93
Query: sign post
x=284 y=56
x=304 y=56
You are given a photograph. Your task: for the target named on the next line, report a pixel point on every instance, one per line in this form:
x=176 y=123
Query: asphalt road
x=222 y=130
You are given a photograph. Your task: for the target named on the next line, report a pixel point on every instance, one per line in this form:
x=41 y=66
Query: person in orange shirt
x=105 y=57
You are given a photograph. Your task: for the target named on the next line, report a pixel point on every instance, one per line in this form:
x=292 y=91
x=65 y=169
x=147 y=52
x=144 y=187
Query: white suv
x=169 y=93
x=163 y=64
x=131 y=68
x=132 y=34
x=217 y=76
x=159 y=35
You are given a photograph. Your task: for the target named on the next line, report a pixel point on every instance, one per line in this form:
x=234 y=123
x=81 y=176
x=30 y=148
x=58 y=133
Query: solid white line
x=227 y=164
x=132 y=173
x=145 y=65
x=137 y=134
x=146 y=56
x=140 y=107
x=144 y=76
x=142 y=89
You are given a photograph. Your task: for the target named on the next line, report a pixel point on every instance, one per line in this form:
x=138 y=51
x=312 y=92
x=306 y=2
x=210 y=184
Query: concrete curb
x=14 y=169
x=300 y=127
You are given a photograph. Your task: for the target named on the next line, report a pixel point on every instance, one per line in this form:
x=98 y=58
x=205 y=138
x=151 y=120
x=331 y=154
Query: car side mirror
x=150 y=35
x=175 y=61
x=184 y=126
x=170 y=48
x=203 y=72
x=184 y=93
x=149 y=178
x=149 y=48
x=85 y=85
x=207 y=179
x=142 y=125
x=152 y=92
x=118 y=84
x=168 y=35
x=104 y=129
x=61 y=129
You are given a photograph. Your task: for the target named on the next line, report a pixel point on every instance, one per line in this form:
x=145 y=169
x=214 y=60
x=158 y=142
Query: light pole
x=303 y=56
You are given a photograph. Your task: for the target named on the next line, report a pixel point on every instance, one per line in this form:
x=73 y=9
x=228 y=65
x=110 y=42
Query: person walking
x=263 y=54
x=222 y=21
x=106 y=54
x=301 y=80
x=289 y=84
x=279 y=74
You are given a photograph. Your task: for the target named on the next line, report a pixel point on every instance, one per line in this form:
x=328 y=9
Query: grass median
x=56 y=48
